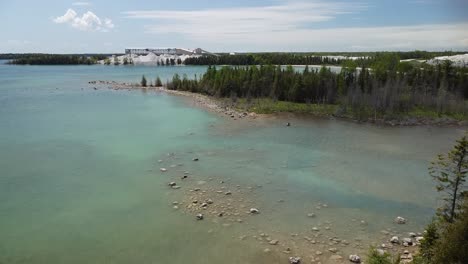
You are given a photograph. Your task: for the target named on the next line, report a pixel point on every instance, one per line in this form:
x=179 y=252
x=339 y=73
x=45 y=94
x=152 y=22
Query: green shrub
x=374 y=257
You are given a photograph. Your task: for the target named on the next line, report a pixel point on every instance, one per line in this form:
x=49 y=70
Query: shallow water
x=80 y=180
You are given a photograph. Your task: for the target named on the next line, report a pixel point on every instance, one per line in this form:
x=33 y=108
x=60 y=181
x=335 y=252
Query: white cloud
x=293 y=25
x=81 y=3
x=87 y=22
x=282 y=17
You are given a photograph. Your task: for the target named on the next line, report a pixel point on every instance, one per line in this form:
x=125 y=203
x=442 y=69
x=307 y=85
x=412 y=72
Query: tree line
x=382 y=87
x=263 y=59
x=278 y=58
x=56 y=59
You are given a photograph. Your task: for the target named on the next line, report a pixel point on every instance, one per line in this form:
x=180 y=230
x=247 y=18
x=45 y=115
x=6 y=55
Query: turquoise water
x=80 y=181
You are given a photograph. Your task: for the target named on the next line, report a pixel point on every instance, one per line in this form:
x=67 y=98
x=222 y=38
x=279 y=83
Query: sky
x=110 y=26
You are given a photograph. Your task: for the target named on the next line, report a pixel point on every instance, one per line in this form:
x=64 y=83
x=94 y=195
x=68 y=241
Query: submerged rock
x=400 y=220
x=195 y=159
x=172 y=184
x=254 y=211
x=199 y=216
x=163 y=169
x=273 y=242
x=355 y=258
x=407 y=242
x=294 y=260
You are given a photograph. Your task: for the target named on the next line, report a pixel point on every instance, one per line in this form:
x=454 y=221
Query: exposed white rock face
x=150 y=59
x=457 y=60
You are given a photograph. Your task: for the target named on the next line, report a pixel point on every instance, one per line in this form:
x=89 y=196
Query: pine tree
x=450 y=173
x=143 y=81
x=158 y=82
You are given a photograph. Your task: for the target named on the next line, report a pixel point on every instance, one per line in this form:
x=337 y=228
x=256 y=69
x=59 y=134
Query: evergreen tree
x=450 y=174
x=158 y=82
x=143 y=81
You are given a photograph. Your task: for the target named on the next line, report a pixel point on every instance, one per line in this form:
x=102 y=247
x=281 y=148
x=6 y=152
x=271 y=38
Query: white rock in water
x=163 y=169
x=315 y=229
x=199 y=217
x=407 y=241
x=395 y=240
x=419 y=239
x=294 y=260
x=400 y=220
x=411 y=234
x=254 y=211
x=273 y=242
x=172 y=184
x=354 y=258
x=311 y=215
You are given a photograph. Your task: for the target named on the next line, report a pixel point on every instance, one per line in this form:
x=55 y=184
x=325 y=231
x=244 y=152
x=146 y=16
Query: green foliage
x=107 y=61
x=158 y=82
x=446 y=242
x=452 y=247
x=450 y=174
x=269 y=106
x=143 y=81
x=56 y=59
x=427 y=244
x=374 y=257
x=125 y=61
x=263 y=58
x=363 y=94
x=315 y=58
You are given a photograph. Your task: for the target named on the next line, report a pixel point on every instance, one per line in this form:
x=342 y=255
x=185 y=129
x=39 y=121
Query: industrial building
x=164 y=51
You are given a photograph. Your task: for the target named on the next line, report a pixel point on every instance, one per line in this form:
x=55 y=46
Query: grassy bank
x=269 y=106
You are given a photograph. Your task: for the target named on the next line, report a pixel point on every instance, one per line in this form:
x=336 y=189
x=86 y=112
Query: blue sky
x=266 y=25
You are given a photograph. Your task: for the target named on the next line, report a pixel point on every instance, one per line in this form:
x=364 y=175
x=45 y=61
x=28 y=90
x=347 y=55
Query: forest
x=279 y=58
x=53 y=59
x=381 y=87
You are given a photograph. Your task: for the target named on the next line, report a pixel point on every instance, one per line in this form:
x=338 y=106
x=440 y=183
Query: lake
x=80 y=178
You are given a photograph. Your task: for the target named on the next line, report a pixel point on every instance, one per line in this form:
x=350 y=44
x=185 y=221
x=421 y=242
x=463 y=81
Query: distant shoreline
x=227 y=109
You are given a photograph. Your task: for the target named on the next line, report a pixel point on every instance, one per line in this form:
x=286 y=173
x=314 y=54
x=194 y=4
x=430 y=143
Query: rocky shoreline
x=224 y=204
x=225 y=109
x=200 y=100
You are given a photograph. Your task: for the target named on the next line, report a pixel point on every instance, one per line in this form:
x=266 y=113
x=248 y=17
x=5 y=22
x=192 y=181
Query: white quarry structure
x=164 y=51
x=157 y=56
